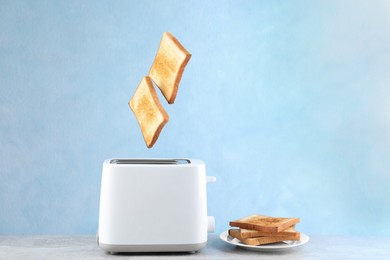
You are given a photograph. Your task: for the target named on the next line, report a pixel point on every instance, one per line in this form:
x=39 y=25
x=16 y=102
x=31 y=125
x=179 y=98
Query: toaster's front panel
x=150 y=202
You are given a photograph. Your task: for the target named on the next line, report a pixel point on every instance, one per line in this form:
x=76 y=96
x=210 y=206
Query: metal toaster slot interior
x=150 y=161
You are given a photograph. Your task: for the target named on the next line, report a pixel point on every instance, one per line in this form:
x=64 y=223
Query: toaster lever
x=210 y=224
x=210 y=179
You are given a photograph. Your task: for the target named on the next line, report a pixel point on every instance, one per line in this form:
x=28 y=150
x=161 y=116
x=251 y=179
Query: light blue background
x=287 y=102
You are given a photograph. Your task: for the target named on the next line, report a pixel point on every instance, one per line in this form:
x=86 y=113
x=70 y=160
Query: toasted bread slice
x=148 y=110
x=256 y=241
x=168 y=66
x=248 y=233
x=264 y=223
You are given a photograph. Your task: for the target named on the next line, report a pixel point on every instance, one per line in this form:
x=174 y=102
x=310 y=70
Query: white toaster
x=153 y=205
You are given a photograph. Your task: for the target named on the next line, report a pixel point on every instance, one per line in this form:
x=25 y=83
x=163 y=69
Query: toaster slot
x=150 y=161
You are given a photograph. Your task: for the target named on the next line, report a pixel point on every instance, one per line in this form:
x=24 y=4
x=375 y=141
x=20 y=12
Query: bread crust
x=168 y=66
x=248 y=233
x=264 y=223
x=148 y=110
x=256 y=241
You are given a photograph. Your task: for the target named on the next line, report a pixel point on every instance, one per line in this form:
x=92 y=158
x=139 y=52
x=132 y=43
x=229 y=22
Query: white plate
x=270 y=247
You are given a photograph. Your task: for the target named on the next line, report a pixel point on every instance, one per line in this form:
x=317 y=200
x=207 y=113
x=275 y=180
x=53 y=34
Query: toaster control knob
x=210 y=224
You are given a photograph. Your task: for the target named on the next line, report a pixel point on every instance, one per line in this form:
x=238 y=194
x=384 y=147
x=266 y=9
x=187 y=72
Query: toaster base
x=152 y=248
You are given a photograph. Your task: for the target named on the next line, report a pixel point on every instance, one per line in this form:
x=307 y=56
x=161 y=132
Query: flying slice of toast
x=168 y=66
x=248 y=233
x=166 y=73
x=148 y=110
x=264 y=223
x=256 y=241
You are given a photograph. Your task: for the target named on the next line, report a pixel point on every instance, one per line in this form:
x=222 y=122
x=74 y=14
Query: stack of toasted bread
x=260 y=230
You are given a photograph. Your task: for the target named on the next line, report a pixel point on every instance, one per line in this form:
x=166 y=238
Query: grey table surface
x=85 y=247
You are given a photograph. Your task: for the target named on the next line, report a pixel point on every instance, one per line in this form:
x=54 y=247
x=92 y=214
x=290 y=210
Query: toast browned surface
x=168 y=66
x=148 y=110
x=255 y=241
x=264 y=223
x=248 y=233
